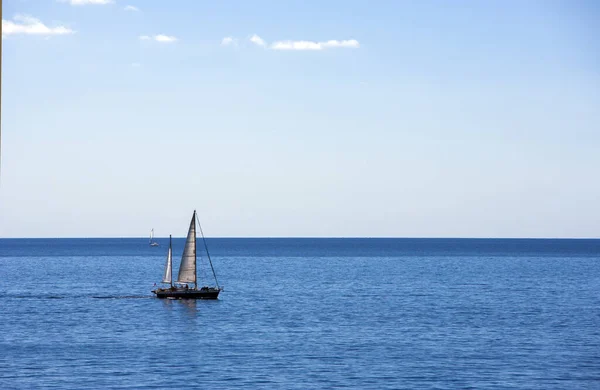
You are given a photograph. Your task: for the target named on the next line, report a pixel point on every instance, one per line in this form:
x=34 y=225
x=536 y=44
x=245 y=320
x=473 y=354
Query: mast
x=195 y=256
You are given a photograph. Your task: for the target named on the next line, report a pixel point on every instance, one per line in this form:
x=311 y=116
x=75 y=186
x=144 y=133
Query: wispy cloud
x=258 y=40
x=229 y=41
x=25 y=24
x=131 y=8
x=311 y=45
x=135 y=64
x=159 y=38
x=86 y=2
x=164 y=38
x=299 y=45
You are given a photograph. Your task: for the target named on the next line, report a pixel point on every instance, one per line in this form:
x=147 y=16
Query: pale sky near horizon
x=300 y=118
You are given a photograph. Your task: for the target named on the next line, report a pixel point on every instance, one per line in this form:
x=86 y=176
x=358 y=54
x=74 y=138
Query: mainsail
x=167 y=277
x=151 y=235
x=187 y=268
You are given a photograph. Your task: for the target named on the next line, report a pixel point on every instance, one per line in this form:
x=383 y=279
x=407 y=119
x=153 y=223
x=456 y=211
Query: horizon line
x=313 y=237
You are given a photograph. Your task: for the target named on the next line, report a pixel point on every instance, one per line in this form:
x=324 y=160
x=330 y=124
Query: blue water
x=304 y=314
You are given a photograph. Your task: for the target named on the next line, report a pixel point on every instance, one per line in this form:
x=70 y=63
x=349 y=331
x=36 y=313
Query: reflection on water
x=167 y=303
x=190 y=306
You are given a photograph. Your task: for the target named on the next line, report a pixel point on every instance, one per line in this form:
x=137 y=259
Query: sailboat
x=187 y=271
x=152 y=243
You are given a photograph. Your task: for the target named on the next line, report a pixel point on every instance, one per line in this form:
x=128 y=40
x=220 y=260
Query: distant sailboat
x=152 y=243
x=187 y=271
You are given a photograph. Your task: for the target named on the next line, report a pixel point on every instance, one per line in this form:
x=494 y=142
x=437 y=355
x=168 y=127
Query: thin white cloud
x=300 y=45
x=25 y=24
x=164 y=38
x=311 y=45
x=131 y=8
x=86 y=2
x=229 y=41
x=159 y=38
x=135 y=64
x=258 y=40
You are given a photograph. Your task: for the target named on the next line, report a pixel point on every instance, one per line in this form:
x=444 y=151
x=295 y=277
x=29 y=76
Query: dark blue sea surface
x=303 y=314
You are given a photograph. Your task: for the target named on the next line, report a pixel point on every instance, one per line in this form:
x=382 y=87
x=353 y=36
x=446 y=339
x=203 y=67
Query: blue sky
x=386 y=118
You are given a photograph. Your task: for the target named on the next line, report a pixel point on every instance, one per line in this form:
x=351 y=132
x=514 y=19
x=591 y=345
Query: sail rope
x=207 y=254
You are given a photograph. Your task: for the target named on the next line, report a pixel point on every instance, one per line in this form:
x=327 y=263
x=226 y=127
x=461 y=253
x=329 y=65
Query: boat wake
x=38 y=296
x=124 y=297
x=79 y=296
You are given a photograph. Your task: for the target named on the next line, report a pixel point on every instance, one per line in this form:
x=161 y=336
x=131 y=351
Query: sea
x=303 y=313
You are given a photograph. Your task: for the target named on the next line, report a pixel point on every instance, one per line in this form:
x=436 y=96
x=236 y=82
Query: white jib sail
x=168 y=267
x=187 y=268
